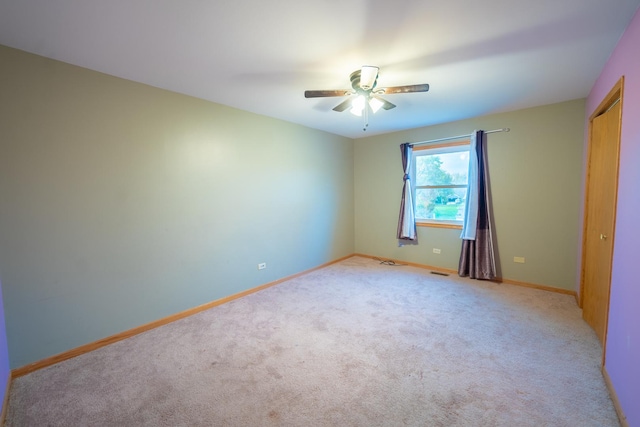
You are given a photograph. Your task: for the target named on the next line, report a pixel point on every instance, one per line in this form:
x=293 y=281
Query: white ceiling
x=479 y=57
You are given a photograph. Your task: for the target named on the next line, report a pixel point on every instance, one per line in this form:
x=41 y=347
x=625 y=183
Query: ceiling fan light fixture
x=375 y=104
x=357 y=105
x=368 y=76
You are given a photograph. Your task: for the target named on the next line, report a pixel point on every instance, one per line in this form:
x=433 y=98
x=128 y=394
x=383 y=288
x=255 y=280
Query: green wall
x=535 y=173
x=122 y=203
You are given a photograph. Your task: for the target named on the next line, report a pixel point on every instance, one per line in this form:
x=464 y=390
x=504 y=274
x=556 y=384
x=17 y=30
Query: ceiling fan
x=364 y=95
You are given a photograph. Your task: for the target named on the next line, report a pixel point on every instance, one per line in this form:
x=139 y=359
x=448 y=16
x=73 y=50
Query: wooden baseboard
x=455 y=272
x=24 y=370
x=5 y=401
x=614 y=397
x=541 y=287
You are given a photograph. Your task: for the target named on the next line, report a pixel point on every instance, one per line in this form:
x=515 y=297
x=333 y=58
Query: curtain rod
x=458 y=137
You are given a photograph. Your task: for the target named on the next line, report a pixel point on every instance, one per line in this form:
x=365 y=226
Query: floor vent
x=439 y=273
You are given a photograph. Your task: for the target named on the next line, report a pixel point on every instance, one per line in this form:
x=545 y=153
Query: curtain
x=477 y=259
x=407 y=233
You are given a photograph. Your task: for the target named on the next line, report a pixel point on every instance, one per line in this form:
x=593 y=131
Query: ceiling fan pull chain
x=365 y=116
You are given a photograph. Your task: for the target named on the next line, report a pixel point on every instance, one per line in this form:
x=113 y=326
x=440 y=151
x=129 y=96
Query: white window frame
x=431 y=149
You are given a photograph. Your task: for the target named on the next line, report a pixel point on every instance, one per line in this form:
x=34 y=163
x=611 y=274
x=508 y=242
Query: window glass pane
x=442 y=168
x=441 y=204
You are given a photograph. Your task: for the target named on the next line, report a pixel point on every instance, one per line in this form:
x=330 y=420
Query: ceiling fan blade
x=343 y=105
x=325 y=93
x=405 y=89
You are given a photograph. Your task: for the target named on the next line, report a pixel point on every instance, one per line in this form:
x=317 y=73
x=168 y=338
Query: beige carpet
x=353 y=344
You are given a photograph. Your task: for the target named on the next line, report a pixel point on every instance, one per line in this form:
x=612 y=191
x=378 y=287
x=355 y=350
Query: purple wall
x=4 y=354
x=623 y=337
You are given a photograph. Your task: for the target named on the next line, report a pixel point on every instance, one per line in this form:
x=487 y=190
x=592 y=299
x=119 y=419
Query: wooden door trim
x=615 y=94
x=608 y=101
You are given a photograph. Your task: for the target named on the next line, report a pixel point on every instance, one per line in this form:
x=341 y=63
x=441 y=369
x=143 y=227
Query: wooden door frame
x=614 y=94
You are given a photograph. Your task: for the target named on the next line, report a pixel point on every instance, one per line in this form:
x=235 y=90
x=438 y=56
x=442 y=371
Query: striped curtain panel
x=477 y=258
x=407 y=233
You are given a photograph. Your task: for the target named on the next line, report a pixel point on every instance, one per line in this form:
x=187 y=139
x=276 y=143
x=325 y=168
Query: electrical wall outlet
x=518 y=259
x=436 y=251
x=262 y=266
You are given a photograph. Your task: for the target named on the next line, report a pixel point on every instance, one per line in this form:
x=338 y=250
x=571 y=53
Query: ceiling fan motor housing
x=371 y=78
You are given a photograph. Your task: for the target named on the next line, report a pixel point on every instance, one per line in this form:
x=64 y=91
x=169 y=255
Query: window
x=441 y=173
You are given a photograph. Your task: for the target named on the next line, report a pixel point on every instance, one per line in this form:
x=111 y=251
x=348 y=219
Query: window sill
x=439 y=224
